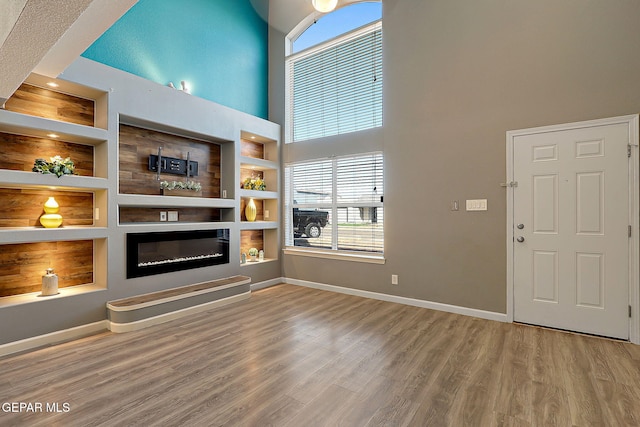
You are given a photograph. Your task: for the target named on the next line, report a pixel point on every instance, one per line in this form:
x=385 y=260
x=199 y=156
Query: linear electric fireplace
x=163 y=252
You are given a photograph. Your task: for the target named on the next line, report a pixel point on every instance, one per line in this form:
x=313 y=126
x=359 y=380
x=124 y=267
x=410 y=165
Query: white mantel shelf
x=133 y=200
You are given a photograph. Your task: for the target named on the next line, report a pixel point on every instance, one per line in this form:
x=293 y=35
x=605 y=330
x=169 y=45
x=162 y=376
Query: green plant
x=253 y=252
x=179 y=185
x=56 y=165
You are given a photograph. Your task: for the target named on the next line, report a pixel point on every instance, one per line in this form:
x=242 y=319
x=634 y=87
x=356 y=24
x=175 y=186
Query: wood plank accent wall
x=47 y=103
x=135 y=215
x=259 y=209
x=251 y=239
x=19 y=152
x=23 y=207
x=251 y=149
x=23 y=265
x=136 y=144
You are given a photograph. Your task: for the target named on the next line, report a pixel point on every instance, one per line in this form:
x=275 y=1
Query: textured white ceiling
x=37 y=28
x=30 y=32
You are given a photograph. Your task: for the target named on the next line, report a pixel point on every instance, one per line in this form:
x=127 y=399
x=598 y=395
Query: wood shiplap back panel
x=251 y=149
x=19 y=152
x=23 y=265
x=137 y=144
x=133 y=215
x=251 y=239
x=41 y=102
x=23 y=207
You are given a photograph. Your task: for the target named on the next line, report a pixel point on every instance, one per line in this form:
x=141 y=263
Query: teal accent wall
x=218 y=46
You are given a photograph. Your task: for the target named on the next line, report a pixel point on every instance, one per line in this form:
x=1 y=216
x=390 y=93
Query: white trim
x=482 y=314
x=175 y=297
x=634 y=253
x=341 y=256
x=162 y=318
x=54 y=337
x=634 y=244
x=267 y=283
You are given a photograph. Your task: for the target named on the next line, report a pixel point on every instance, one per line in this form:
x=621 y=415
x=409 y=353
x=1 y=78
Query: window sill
x=371 y=259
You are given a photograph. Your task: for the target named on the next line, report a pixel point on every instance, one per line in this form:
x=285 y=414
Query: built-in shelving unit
x=39 y=122
x=117 y=122
x=259 y=159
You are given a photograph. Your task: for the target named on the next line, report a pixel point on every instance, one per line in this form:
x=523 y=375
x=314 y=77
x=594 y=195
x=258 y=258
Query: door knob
x=520 y=239
x=520 y=226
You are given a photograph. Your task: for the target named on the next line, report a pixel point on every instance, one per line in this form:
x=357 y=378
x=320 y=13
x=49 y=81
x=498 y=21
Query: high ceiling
x=46 y=36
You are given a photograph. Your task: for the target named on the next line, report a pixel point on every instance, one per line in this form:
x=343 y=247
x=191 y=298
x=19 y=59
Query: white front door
x=571 y=212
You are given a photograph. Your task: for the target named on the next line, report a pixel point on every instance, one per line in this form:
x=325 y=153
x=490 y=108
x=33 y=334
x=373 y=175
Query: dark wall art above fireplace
x=164 y=252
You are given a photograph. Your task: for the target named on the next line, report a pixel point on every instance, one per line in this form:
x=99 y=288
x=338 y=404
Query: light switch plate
x=163 y=215
x=477 y=205
x=173 y=216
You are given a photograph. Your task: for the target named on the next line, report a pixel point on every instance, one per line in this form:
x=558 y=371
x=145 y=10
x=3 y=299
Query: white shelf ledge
x=250 y=163
x=150 y=227
x=38 y=234
x=258 y=225
x=257 y=194
x=136 y=200
x=22 y=179
x=23 y=124
x=34 y=297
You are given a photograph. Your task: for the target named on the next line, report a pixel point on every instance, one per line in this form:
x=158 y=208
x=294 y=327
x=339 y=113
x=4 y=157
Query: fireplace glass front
x=163 y=252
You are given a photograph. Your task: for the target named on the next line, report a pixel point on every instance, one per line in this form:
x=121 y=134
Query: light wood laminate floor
x=292 y=356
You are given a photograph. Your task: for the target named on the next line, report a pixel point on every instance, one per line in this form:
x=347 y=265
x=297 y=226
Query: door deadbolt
x=520 y=226
x=520 y=239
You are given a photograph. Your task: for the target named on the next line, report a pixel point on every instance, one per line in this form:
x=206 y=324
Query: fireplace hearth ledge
x=141 y=311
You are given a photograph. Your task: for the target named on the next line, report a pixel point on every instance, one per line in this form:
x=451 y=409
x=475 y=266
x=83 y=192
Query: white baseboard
x=162 y=318
x=267 y=283
x=54 y=337
x=482 y=314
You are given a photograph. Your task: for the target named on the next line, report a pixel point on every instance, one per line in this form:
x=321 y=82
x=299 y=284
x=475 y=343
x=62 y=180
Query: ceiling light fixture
x=52 y=84
x=324 y=6
x=52 y=135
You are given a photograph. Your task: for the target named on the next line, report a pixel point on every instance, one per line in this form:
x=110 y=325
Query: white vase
x=49 y=283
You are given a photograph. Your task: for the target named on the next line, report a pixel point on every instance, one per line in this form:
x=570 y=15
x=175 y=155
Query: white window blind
x=336 y=87
x=347 y=190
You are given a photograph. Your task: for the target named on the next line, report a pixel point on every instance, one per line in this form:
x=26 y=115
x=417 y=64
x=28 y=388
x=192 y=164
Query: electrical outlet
x=163 y=216
x=394 y=279
x=172 y=216
x=477 y=205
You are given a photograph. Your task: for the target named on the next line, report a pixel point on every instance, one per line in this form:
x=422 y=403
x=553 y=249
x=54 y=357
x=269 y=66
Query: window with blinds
x=343 y=197
x=336 y=87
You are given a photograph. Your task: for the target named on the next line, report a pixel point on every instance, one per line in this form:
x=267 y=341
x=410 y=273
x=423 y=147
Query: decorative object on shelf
x=179 y=188
x=51 y=217
x=243 y=258
x=250 y=211
x=254 y=183
x=49 y=283
x=183 y=84
x=324 y=6
x=253 y=253
x=261 y=255
x=56 y=165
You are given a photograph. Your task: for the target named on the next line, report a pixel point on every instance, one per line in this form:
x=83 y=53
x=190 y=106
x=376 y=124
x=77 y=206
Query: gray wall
x=458 y=75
